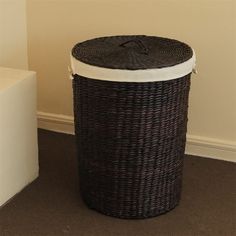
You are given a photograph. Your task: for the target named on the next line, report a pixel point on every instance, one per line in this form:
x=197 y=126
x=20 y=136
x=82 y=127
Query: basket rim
x=124 y=75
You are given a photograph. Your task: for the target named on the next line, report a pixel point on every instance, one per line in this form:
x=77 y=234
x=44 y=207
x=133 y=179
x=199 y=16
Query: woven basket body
x=131 y=141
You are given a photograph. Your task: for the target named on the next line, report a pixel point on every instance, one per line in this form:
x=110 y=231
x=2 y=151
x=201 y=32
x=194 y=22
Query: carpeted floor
x=52 y=206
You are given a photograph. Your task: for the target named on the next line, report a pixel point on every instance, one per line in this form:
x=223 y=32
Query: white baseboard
x=56 y=122
x=196 y=145
x=211 y=148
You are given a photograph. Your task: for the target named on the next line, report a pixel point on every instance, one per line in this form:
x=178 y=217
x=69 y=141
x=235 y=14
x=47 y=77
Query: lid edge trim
x=140 y=75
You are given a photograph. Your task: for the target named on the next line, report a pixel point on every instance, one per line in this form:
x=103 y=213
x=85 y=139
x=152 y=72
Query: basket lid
x=131 y=53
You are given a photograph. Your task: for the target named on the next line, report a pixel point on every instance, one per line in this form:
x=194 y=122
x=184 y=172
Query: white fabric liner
x=122 y=75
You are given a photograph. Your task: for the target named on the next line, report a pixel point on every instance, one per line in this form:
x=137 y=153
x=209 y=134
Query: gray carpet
x=52 y=206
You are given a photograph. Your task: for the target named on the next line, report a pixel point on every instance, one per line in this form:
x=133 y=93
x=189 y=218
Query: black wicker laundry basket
x=130 y=107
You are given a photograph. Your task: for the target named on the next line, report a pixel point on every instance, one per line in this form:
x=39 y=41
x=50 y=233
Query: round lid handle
x=141 y=45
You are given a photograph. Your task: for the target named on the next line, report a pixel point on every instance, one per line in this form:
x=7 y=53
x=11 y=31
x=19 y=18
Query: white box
x=18 y=131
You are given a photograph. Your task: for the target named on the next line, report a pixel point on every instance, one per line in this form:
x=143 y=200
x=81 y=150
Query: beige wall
x=13 y=34
x=207 y=25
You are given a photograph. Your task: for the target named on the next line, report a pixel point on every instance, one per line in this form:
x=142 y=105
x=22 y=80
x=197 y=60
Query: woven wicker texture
x=131 y=141
x=132 y=52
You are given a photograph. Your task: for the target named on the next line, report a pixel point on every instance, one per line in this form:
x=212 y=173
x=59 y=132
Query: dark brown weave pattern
x=132 y=52
x=131 y=141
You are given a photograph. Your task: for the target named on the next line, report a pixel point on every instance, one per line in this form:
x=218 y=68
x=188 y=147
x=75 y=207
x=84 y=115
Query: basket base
x=131 y=216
